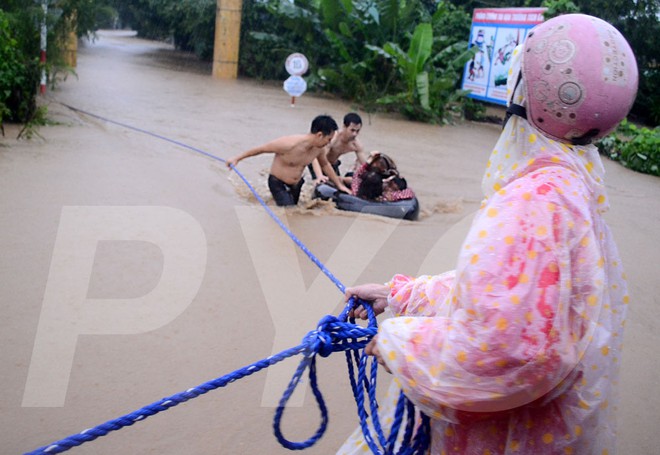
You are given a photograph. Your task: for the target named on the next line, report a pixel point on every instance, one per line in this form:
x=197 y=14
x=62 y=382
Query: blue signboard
x=496 y=32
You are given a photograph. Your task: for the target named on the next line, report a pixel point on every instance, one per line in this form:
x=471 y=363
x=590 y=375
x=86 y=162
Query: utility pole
x=227 y=38
x=71 y=41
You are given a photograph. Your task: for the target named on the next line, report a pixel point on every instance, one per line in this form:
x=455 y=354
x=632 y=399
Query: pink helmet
x=580 y=78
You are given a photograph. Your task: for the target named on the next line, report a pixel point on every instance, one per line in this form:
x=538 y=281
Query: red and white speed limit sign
x=296 y=64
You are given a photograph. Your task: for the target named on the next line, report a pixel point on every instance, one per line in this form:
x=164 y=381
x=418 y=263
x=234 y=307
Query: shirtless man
x=345 y=141
x=291 y=155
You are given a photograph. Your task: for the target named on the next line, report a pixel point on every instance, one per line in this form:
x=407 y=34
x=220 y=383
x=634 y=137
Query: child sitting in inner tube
x=371 y=186
x=378 y=180
x=395 y=188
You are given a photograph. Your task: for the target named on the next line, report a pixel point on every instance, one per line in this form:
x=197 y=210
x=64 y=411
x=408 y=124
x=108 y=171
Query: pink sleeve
x=423 y=296
x=506 y=334
x=399 y=195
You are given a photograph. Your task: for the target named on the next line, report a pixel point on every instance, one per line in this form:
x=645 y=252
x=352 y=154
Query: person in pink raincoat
x=516 y=351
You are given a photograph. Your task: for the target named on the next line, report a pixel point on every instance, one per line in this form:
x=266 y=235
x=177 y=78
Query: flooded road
x=184 y=277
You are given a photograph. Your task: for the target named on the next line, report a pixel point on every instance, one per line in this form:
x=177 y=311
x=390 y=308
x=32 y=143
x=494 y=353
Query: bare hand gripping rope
x=333 y=334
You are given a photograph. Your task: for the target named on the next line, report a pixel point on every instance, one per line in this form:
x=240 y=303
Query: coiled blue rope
x=333 y=334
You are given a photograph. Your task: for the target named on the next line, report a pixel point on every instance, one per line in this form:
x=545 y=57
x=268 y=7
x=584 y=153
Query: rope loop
x=332 y=334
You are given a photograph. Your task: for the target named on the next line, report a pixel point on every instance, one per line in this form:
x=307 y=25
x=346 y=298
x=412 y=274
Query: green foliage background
x=20 y=69
x=360 y=50
x=635 y=147
x=357 y=47
x=404 y=56
x=380 y=54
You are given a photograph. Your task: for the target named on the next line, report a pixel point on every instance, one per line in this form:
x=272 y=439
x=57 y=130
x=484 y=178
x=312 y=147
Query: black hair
x=400 y=183
x=352 y=117
x=371 y=186
x=325 y=124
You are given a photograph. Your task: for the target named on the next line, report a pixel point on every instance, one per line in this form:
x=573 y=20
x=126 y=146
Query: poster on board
x=496 y=32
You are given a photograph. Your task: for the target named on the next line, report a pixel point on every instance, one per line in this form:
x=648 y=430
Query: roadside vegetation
x=635 y=147
x=381 y=55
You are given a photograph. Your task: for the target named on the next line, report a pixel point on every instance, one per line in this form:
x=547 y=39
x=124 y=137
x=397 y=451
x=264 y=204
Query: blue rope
x=333 y=334
x=297 y=241
x=330 y=336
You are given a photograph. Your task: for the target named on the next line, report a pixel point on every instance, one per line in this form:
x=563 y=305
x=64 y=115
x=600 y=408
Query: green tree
x=19 y=61
x=272 y=30
x=355 y=71
x=429 y=82
x=21 y=69
x=189 y=23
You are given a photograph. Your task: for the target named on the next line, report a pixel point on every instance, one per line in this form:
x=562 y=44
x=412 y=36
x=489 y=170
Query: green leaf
x=420 y=46
x=423 y=89
x=374 y=14
x=333 y=11
x=338 y=44
x=345 y=30
x=398 y=55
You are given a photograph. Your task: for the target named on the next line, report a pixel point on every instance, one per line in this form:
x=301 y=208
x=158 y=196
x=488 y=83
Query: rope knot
x=322 y=340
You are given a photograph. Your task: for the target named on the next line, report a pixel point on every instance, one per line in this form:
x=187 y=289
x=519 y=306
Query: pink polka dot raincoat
x=516 y=351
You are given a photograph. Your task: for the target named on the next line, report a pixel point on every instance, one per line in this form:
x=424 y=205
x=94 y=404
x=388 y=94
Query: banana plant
x=429 y=79
x=349 y=25
x=412 y=66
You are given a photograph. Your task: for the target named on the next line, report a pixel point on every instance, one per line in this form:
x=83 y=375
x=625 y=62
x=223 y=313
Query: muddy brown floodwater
x=133 y=268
